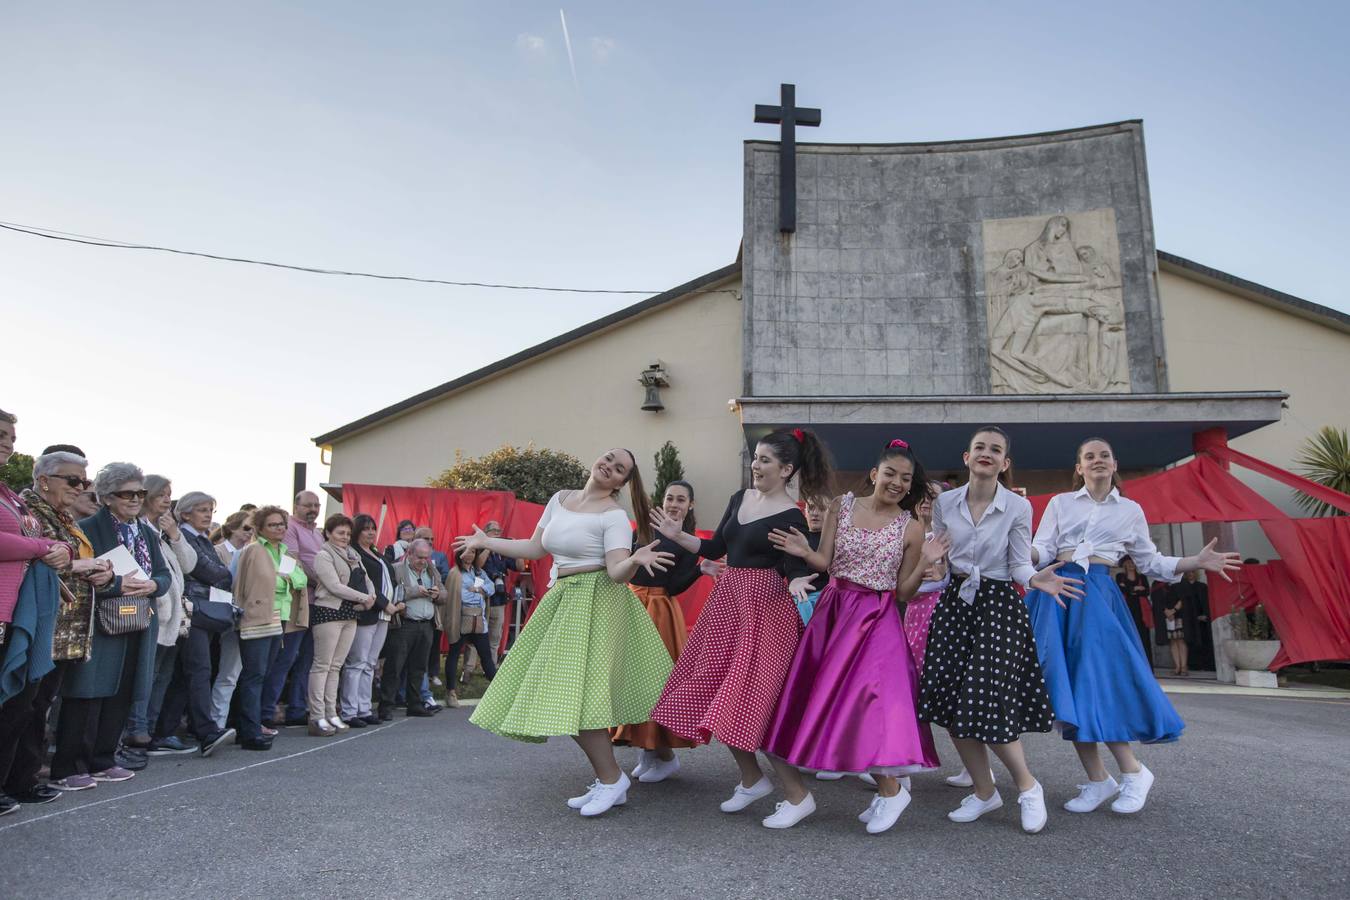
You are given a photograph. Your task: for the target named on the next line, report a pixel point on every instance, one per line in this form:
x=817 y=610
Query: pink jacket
x=17 y=550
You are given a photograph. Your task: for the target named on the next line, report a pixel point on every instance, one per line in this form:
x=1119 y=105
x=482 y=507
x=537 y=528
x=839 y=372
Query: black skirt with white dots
x=981 y=678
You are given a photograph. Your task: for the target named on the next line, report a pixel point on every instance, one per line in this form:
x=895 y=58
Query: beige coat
x=333 y=569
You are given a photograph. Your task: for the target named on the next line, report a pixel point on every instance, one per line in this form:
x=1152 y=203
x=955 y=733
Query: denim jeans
x=145 y=704
x=297 y=653
x=359 y=674
x=256 y=656
x=227 y=677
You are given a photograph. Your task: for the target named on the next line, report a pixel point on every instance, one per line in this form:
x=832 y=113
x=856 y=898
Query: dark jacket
x=101 y=675
x=374 y=578
x=496 y=568
x=209 y=572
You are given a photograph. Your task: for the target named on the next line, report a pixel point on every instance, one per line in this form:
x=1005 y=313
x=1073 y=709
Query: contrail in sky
x=567 y=41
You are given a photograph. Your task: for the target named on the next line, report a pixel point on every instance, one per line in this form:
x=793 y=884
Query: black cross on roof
x=789 y=116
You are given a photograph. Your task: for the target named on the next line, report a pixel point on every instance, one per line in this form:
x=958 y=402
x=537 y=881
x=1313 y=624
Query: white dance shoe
x=744 y=796
x=1092 y=795
x=1133 y=791
x=579 y=802
x=645 y=760
x=973 y=807
x=1034 y=814
x=829 y=776
x=884 y=811
x=962 y=779
x=786 y=814
x=606 y=796
x=659 y=770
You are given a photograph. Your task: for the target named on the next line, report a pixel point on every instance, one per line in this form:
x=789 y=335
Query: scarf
x=74 y=621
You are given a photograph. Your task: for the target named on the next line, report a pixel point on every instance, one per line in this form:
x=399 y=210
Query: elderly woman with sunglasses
x=28 y=689
x=96 y=695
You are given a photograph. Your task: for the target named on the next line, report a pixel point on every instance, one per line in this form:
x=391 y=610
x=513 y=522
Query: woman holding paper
x=97 y=694
x=267 y=583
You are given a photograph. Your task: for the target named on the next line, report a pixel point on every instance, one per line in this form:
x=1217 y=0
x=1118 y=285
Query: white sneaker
x=973 y=807
x=1133 y=791
x=829 y=776
x=1034 y=814
x=866 y=778
x=607 y=795
x=744 y=796
x=963 y=780
x=645 y=758
x=786 y=814
x=436 y=681
x=886 y=811
x=1092 y=795
x=660 y=769
x=906 y=783
x=579 y=802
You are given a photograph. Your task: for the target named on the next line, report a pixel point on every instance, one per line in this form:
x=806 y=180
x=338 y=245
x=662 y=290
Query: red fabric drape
x=449 y=514
x=1306 y=592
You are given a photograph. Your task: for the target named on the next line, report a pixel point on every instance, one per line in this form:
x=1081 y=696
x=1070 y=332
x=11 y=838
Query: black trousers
x=89 y=730
x=434 y=652
x=479 y=643
x=23 y=732
x=175 y=698
x=405 y=661
x=200 y=643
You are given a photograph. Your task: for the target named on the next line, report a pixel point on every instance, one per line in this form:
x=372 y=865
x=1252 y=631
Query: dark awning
x=1146 y=430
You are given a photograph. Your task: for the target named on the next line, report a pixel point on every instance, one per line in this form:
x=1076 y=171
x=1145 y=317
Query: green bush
x=532 y=474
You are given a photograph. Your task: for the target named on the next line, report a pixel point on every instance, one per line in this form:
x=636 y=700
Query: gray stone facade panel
x=882 y=288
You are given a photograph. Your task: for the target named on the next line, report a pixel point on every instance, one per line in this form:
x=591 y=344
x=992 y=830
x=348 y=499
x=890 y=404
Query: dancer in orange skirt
x=658 y=592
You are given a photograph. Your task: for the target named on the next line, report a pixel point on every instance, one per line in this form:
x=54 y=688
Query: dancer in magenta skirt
x=728 y=677
x=849 y=701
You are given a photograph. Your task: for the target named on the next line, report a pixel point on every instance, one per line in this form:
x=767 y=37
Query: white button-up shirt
x=1107 y=530
x=999 y=547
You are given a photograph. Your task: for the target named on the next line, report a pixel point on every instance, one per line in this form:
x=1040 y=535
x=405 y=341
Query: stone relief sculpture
x=1056 y=315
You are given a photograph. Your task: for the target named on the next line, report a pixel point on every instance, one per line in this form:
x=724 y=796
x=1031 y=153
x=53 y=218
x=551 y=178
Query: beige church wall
x=1222 y=341
x=584 y=399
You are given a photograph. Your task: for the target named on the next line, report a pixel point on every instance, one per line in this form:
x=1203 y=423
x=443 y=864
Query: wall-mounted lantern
x=653 y=378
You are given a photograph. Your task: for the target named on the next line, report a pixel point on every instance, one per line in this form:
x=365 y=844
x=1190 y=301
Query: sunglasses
x=130 y=495
x=74 y=481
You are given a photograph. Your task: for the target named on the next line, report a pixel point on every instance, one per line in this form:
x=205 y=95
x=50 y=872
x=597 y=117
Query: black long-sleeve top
x=375 y=578
x=747 y=546
x=679 y=578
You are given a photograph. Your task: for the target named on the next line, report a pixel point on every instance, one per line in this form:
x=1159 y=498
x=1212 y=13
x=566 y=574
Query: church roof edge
x=1066 y=133
x=1316 y=312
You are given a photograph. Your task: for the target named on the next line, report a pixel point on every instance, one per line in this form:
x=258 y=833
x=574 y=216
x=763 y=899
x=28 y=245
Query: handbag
x=357 y=582
x=123 y=615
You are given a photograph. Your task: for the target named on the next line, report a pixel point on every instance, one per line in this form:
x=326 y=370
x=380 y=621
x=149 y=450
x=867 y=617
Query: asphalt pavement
x=1250 y=803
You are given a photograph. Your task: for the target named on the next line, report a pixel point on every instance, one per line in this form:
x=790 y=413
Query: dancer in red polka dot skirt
x=727 y=680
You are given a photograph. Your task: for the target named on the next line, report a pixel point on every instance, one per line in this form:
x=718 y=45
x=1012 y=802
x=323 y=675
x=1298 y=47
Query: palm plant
x=1324 y=458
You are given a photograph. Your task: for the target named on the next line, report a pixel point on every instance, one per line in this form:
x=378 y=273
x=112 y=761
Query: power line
x=52 y=234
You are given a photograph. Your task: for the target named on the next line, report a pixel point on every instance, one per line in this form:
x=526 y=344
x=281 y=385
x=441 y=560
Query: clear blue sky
x=449 y=139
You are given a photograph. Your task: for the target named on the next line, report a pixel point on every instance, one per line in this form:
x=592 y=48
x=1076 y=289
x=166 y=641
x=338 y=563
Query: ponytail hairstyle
x=1078 y=480
x=918 y=485
x=806 y=454
x=642 y=505
x=689 y=526
x=1004 y=477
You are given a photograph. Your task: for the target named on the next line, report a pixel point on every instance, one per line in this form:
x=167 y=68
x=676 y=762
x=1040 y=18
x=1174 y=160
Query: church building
x=918 y=291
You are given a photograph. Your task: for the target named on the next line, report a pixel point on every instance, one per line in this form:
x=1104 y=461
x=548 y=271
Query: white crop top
x=576 y=540
x=1109 y=530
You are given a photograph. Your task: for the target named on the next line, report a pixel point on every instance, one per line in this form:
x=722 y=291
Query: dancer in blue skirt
x=1101 y=686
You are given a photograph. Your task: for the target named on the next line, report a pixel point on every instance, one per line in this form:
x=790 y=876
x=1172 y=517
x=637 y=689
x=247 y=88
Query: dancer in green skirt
x=590 y=658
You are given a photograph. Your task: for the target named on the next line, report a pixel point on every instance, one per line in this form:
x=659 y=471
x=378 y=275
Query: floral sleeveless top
x=869 y=558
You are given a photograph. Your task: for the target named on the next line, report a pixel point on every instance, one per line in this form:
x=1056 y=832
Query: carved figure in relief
x=1057 y=325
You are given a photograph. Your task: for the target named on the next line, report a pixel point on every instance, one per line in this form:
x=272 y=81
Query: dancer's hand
x=1212 y=560
x=935 y=549
x=713 y=567
x=664 y=524
x=1049 y=581
x=791 y=542
x=471 y=543
x=653 y=560
x=801 y=586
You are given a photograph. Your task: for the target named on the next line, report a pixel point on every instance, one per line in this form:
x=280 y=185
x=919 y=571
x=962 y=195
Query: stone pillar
x=1222 y=630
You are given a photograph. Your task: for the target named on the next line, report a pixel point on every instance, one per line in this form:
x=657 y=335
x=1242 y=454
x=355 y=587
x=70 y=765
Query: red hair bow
x=799 y=435
x=903 y=445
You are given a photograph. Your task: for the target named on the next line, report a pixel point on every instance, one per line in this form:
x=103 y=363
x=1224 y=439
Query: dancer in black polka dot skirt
x=981 y=678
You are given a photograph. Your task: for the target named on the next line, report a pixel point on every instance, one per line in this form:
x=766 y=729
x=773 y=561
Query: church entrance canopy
x=1146 y=430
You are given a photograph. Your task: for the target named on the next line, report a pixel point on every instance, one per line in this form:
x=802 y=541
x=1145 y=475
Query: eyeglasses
x=130 y=495
x=74 y=481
